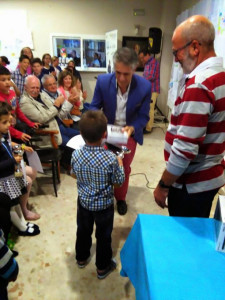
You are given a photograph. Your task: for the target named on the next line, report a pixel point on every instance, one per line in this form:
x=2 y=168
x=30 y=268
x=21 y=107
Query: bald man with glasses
x=195 y=139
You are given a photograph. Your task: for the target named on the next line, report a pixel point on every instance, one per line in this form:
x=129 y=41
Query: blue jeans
x=67 y=133
x=103 y=220
x=183 y=204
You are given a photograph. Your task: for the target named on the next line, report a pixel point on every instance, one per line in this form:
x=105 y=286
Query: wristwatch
x=163 y=185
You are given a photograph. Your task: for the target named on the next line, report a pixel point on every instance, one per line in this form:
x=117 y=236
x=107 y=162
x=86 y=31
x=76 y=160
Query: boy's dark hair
x=22 y=57
x=5 y=108
x=36 y=60
x=5 y=60
x=145 y=51
x=92 y=125
x=4 y=71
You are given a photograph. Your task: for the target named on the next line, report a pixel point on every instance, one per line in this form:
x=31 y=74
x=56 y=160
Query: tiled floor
x=47 y=266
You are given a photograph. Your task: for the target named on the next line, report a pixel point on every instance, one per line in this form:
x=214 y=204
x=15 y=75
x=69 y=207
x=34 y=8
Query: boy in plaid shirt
x=97 y=170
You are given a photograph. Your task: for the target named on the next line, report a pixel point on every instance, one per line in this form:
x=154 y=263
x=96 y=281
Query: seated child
x=78 y=110
x=11 y=186
x=7 y=94
x=97 y=170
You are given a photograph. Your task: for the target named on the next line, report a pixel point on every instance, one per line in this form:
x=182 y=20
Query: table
x=174 y=258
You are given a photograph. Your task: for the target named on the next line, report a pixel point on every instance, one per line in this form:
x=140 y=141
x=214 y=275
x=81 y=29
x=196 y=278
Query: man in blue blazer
x=124 y=97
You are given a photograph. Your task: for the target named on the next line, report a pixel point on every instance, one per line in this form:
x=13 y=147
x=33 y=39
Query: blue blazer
x=138 y=103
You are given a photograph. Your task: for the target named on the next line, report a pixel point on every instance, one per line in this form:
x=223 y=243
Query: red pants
x=121 y=192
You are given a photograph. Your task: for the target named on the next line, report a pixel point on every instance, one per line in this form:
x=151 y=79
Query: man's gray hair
x=45 y=78
x=203 y=32
x=126 y=56
x=30 y=77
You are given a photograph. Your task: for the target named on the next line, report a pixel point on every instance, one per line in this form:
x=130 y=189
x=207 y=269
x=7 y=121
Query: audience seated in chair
x=38 y=107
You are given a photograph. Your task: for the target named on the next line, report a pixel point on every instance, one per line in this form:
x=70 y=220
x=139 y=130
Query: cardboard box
x=219 y=217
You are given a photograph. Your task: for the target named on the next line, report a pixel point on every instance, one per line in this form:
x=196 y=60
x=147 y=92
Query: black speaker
x=155 y=36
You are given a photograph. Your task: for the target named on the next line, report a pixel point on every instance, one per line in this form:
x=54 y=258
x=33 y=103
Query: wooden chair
x=49 y=156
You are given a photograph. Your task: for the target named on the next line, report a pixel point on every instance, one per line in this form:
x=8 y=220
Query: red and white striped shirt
x=195 y=139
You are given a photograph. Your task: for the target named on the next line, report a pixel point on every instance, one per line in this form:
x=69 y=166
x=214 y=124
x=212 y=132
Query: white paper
x=115 y=135
x=22 y=164
x=34 y=161
x=75 y=118
x=77 y=142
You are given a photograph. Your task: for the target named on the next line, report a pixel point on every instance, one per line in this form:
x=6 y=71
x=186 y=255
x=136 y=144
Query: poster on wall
x=66 y=49
x=94 y=55
x=89 y=52
x=14 y=37
x=11 y=45
x=215 y=12
x=111 y=47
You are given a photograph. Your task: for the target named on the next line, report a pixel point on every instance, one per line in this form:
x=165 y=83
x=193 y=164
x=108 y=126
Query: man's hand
x=160 y=195
x=59 y=101
x=36 y=125
x=129 y=130
x=25 y=137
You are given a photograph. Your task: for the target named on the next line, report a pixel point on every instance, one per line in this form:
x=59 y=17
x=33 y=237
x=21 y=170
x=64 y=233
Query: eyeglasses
x=181 y=48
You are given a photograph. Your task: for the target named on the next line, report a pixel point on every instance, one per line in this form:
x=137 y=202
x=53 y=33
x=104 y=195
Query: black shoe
x=15 y=253
x=107 y=271
x=30 y=231
x=122 y=207
x=146 y=131
x=82 y=264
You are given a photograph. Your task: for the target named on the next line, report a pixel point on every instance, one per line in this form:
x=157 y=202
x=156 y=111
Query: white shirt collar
x=212 y=61
x=118 y=88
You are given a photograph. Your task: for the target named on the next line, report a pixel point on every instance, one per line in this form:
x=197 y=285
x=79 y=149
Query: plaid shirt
x=97 y=170
x=19 y=80
x=152 y=74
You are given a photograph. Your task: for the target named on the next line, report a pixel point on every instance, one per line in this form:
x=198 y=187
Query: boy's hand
x=53 y=73
x=18 y=158
x=25 y=137
x=36 y=125
x=120 y=161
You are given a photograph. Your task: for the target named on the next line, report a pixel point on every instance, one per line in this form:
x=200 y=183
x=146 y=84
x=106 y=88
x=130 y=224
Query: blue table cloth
x=174 y=258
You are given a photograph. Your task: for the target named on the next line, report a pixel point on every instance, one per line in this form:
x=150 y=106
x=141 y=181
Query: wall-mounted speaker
x=155 y=37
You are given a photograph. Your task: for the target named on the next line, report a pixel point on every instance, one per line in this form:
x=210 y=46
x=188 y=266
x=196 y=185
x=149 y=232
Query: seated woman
x=47 y=68
x=66 y=84
x=66 y=87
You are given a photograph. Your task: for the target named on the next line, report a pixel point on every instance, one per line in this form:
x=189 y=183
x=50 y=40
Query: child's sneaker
x=82 y=264
x=108 y=270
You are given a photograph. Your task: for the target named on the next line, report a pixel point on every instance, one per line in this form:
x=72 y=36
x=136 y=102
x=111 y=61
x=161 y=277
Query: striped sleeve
x=190 y=120
x=8 y=265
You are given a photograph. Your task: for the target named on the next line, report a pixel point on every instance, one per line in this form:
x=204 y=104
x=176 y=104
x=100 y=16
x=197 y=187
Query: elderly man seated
x=50 y=92
x=46 y=110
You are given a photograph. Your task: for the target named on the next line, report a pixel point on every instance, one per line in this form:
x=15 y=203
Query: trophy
x=124 y=150
x=17 y=149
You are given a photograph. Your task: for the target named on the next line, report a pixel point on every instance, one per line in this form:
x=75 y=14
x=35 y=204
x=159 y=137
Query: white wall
x=97 y=17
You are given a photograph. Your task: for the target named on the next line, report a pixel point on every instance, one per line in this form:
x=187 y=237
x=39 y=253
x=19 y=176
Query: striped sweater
x=195 y=140
x=8 y=265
